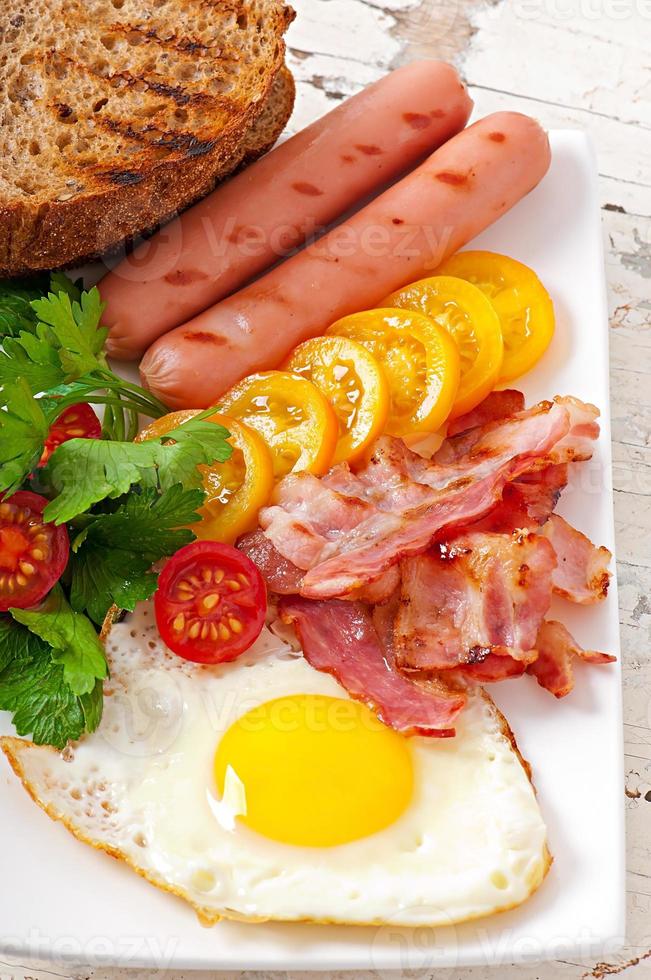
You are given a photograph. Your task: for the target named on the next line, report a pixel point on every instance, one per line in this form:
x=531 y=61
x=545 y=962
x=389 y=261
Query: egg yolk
x=316 y=771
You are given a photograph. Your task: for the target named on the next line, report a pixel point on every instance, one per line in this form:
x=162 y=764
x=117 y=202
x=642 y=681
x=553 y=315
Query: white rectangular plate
x=66 y=902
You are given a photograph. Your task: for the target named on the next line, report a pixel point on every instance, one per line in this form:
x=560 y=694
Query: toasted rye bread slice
x=116 y=115
x=273 y=118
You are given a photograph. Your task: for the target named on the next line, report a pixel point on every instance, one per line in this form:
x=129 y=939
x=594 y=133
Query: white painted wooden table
x=583 y=63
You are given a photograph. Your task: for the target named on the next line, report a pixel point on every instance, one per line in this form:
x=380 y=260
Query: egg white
x=471 y=842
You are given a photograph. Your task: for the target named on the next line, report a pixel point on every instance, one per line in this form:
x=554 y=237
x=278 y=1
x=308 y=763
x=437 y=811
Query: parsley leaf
x=75 y=644
x=92 y=705
x=115 y=552
x=84 y=471
x=16 y=296
x=195 y=441
x=60 y=283
x=26 y=356
x=101 y=578
x=15 y=643
x=57 y=341
x=64 y=343
x=23 y=430
x=16 y=313
x=42 y=703
x=34 y=689
x=72 y=328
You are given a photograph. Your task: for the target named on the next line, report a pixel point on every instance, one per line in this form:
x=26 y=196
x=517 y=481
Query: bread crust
x=273 y=118
x=121 y=204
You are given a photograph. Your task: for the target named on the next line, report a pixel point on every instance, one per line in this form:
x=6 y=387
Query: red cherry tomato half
x=76 y=422
x=211 y=602
x=33 y=554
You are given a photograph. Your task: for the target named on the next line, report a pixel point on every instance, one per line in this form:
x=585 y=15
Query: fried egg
x=258 y=790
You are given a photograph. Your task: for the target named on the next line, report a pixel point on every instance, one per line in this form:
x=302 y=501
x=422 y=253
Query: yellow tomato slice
x=354 y=384
x=295 y=420
x=420 y=361
x=235 y=490
x=467 y=315
x=160 y=427
x=521 y=301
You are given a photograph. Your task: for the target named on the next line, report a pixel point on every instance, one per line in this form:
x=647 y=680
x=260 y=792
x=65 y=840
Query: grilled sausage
x=399 y=237
x=277 y=203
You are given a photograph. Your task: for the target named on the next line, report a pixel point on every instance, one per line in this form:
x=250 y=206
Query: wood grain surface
x=579 y=63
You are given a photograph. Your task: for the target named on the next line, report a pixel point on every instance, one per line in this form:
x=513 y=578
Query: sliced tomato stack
x=211 y=602
x=33 y=553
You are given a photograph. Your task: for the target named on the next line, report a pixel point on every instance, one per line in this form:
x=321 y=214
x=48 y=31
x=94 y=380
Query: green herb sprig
x=126 y=505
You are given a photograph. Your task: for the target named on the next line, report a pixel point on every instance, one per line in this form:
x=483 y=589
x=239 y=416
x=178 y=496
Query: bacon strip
x=576 y=446
x=526 y=502
x=462 y=532
x=340 y=639
x=380 y=591
x=553 y=668
x=284 y=578
x=465 y=432
x=389 y=480
x=536 y=433
x=479 y=595
x=310 y=516
x=471 y=490
x=582 y=572
x=281 y=575
x=494 y=668
x=540 y=491
x=496 y=406
x=348 y=528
